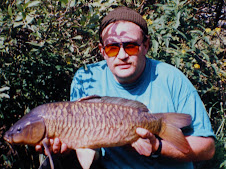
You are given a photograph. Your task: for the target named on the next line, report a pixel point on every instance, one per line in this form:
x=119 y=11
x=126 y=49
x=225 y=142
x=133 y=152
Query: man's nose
x=122 y=54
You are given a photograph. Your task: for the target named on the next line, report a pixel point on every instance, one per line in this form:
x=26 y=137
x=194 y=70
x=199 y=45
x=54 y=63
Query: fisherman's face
x=128 y=64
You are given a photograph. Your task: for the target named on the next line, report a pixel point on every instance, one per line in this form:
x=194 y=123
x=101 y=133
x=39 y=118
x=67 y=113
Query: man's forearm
x=202 y=148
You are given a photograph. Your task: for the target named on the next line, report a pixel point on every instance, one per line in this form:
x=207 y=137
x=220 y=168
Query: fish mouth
x=8 y=138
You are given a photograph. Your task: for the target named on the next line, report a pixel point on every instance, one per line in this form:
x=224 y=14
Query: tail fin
x=171 y=132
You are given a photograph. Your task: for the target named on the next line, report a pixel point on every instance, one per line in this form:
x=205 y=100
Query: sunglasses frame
x=122 y=44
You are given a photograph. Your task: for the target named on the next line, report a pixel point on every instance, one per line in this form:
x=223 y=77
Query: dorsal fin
x=89 y=98
x=115 y=100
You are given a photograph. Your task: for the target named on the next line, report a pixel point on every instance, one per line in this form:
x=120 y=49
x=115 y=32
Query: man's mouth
x=124 y=65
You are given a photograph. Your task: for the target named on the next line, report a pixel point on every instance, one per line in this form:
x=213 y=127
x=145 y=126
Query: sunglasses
x=112 y=50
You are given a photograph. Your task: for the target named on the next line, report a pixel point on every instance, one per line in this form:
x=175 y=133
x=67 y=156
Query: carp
x=93 y=122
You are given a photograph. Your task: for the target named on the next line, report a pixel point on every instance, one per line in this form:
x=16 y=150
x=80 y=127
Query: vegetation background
x=44 y=42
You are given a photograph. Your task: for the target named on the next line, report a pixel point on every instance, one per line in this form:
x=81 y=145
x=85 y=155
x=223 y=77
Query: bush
x=43 y=43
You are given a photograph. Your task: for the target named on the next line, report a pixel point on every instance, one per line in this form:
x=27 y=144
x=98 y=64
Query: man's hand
x=55 y=146
x=202 y=148
x=147 y=143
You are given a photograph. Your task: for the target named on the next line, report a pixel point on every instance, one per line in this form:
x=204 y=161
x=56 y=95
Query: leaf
x=206 y=56
x=2 y=39
x=86 y=52
x=177 y=21
x=23 y=15
x=96 y=4
x=78 y=37
x=158 y=5
x=71 y=48
x=64 y=1
x=33 y=3
x=177 y=61
x=4 y=89
x=29 y=19
x=207 y=39
x=193 y=42
x=41 y=44
x=83 y=45
x=72 y=3
x=20 y=7
x=3 y=95
x=163 y=32
x=214 y=68
x=182 y=34
x=10 y=11
x=19 y=17
x=58 y=67
x=155 y=45
x=167 y=39
x=175 y=46
x=183 y=2
x=16 y=24
x=166 y=7
x=197 y=31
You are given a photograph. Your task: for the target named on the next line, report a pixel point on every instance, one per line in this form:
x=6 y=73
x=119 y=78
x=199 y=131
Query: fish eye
x=18 y=129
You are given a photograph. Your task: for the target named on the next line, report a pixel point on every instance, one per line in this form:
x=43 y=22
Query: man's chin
x=125 y=78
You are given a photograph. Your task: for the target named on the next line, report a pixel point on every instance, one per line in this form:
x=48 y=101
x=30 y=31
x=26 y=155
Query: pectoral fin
x=85 y=157
x=171 y=132
x=45 y=143
x=175 y=136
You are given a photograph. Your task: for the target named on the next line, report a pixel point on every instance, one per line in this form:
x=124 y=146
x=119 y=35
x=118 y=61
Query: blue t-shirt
x=162 y=88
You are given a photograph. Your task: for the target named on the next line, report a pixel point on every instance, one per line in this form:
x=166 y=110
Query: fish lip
x=7 y=138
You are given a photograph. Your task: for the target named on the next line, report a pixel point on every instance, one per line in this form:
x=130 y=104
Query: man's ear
x=147 y=44
x=101 y=48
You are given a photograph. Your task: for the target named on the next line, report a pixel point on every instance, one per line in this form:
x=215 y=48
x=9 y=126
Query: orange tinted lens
x=131 y=48
x=111 y=50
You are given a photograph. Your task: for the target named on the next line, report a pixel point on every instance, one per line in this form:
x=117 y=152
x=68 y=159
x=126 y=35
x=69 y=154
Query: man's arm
x=201 y=148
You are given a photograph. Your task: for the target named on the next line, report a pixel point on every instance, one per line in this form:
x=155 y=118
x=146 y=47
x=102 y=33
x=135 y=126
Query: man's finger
x=38 y=148
x=64 y=148
x=56 y=145
x=143 y=147
x=51 y=141
x=144 y=133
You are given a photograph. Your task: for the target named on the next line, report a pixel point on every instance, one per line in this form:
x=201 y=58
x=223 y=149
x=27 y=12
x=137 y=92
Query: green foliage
x=43 y=43
x=179 y=38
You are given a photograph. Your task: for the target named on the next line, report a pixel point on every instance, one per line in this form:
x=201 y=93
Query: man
x=127 y=73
